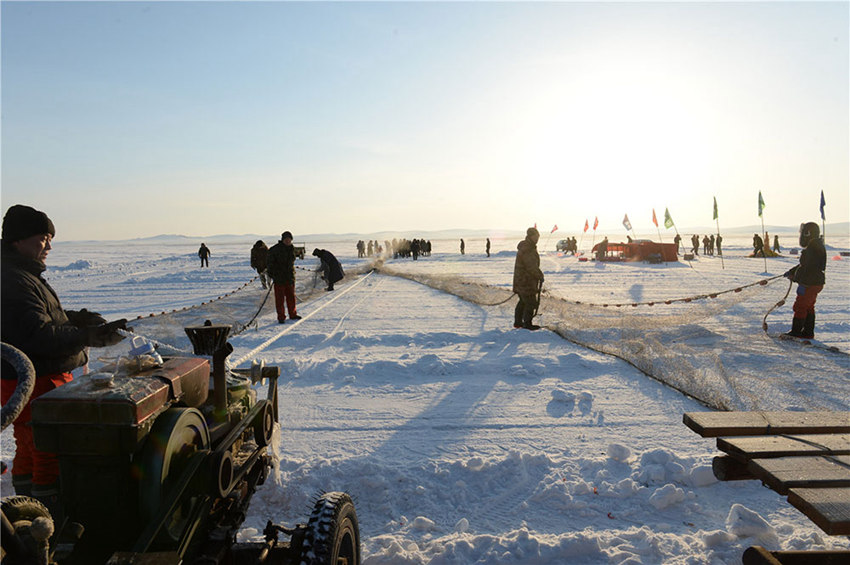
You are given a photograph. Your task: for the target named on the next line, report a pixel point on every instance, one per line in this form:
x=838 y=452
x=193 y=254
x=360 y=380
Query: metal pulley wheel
x=176 y=435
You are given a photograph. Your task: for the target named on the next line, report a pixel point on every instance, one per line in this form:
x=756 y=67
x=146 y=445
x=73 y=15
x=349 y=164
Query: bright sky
x=131 y=119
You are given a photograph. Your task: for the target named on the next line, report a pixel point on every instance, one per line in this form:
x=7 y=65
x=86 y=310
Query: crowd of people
x=711 y=244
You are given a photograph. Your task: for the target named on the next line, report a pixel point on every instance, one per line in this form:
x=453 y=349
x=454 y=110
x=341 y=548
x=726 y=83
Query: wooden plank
x=716 y=424
x=745 y=448
x=726 y=468
x=829 y=508
x=757 y=555
x=784 y=473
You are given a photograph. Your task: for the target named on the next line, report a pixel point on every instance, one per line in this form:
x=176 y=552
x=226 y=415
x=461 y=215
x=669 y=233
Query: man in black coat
x=54 y=339
x=331 y=269
x=281 y=268
x=527 y=280
x=810 y=277
x=260 y=259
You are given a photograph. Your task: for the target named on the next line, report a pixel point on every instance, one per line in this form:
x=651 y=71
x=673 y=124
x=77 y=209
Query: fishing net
x=689 y=343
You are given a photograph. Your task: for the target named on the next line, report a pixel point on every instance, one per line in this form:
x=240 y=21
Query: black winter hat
x=21 y=222
x=286 y=234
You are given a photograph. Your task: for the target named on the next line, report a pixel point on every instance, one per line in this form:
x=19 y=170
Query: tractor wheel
x=333 y=535
x=22 y=511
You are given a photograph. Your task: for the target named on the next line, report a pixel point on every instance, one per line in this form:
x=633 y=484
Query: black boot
x=809 y=326
x=797 y=327
x=527 y=316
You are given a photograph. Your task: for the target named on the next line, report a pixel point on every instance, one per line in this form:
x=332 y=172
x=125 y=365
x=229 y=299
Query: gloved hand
x=105 y=334
x=789 y=274
x=84 y=318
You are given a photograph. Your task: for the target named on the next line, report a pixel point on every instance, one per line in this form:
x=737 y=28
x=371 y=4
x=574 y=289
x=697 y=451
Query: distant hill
x=838 y=228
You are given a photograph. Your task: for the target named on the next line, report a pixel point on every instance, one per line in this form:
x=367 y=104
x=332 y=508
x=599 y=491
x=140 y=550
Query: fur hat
x=286 y=234
x=21 y=222
x=532 y=231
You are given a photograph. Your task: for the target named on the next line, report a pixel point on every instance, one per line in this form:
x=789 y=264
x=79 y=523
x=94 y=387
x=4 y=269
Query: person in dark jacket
x=810 y=277
x=54 y=339
x=281 y=269
x=259 y=260
x=204 y=254
x=527 y=280
x=487 y=247
x=331 y=269
x=758 y=245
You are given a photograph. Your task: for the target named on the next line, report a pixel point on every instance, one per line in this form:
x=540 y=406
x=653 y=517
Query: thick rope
x=777 y=305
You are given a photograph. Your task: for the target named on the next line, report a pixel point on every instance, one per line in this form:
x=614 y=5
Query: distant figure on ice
x=695 y=244
x=705 y=242
x=259 y=260
x=776 y=244
x=758 y=245
x=55 y=340
x=462 y=247
x=528 y=279
x=678 y=241
x=810 y=277
x=717 y=241
x=711 y=244
x=487 y=247
x=331 y=269
x=281 y=269
x=204 y=254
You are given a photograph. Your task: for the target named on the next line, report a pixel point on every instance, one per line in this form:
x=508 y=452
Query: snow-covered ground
x=463 y=440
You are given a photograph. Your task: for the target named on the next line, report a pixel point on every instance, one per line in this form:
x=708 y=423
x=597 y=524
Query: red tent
x=640 y=250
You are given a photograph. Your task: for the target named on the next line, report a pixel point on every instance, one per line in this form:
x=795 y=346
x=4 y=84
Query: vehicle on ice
x=158 y=464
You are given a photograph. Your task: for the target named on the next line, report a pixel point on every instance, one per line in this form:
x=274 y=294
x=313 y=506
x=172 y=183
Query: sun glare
x=616 y=133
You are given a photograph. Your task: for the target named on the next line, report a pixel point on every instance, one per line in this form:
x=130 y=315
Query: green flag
x=715 y=209
x=761 y=203
x=668 y=219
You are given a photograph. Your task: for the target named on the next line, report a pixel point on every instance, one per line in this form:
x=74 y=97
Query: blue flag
x=822 y=204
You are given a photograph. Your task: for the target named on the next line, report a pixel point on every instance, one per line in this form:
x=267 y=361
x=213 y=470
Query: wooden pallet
x=804 y=455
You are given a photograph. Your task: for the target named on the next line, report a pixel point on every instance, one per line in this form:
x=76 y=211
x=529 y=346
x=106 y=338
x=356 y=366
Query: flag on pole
x=586 y=225
x=595 y=222
x=554 y=229
x=626 y=223
x=668 y=219
x=761 y=203
x=822 y=204
x=714 y=217
x=654 y=220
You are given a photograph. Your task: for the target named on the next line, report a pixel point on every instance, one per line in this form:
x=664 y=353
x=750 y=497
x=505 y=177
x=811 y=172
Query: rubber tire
x=21 y=511
x=18 y=508
x=333 y=533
